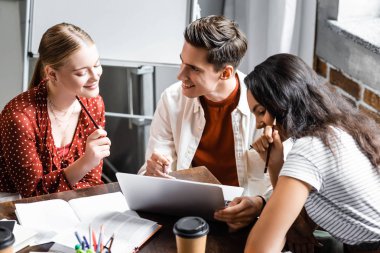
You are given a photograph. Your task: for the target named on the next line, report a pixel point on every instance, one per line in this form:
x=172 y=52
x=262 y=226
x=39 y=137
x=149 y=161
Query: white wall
x=349 y=9
x=10 y=50
x=274 y=26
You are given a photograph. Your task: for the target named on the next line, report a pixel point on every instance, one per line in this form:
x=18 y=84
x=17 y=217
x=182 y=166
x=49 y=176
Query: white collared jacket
x=177 y=128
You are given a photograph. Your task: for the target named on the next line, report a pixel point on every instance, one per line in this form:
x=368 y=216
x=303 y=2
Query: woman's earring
x=45 y=80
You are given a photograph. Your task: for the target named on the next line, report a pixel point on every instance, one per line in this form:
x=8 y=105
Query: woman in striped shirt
x=333 y=166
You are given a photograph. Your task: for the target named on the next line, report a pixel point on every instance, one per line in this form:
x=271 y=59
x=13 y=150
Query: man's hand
x=240 y=212
x=158 y=166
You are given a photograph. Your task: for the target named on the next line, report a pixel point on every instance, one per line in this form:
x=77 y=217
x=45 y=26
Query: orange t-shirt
x=216 y=149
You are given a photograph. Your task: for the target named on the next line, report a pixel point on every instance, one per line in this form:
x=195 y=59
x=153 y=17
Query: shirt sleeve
x=300 y=166
x=161 y=137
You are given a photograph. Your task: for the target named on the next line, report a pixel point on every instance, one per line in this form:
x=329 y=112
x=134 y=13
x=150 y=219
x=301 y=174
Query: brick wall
x=359 y=94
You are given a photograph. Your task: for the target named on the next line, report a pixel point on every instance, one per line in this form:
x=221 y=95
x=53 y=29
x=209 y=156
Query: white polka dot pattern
x=29 y=163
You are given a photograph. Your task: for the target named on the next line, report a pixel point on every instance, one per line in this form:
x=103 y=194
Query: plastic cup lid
x=6 y=238
x=191 y=227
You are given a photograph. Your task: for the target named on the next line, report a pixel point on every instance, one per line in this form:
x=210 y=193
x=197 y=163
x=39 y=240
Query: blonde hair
x=57 y=44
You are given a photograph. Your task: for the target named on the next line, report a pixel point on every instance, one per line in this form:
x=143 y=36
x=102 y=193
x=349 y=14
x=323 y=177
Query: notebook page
x=87 y=208
x=24 y=237
x=129 y=231
x=49 y=215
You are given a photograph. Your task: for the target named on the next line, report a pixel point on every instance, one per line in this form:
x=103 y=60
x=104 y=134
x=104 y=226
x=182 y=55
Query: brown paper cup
x=7 y=250
x=186 y=245
x=191 y=234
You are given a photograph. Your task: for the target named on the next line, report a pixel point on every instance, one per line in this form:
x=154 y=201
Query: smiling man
x=204 y=119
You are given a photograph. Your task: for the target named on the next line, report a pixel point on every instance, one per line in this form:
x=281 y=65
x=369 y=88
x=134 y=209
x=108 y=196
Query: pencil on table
x=87 y=245
x=94 y=239
x=78 y=237
x=101 y=241
x=90 y=236
x=112 y=238
x=108 y=245
x=99 y=245
x=109 y=240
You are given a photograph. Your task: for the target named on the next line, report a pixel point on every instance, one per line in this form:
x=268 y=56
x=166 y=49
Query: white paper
x=49 y=215
x=87 y=208
x=231 y=192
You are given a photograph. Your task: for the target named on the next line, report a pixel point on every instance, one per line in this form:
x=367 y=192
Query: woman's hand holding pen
x=158 y=166
x=97 y=147
x=271 y=137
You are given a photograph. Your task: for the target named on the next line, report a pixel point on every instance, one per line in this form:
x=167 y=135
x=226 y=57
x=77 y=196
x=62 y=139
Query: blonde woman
x=48 y=143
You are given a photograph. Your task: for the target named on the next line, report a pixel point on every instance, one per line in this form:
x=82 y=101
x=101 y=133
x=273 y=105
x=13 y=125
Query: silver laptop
x=173 y=196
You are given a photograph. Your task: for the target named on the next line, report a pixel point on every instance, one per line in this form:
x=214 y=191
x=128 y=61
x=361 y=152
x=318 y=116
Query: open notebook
x=59 y=220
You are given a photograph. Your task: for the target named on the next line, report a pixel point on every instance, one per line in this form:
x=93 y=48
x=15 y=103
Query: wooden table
x=218 y=240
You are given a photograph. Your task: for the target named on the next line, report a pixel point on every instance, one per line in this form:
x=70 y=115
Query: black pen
x=87 y=112
x=269 y=149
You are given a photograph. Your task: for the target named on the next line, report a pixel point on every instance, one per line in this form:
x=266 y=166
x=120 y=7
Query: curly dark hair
x=292 y=92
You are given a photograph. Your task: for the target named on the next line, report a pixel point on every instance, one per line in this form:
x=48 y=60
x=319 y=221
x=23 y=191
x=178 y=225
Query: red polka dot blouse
x=29 y=162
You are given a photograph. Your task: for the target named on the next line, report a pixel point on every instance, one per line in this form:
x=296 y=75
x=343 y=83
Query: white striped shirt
x=345 y=199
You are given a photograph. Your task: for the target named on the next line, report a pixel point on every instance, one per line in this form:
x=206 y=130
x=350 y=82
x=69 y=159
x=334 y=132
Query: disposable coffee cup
x=191 y=234
x=6 y=240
